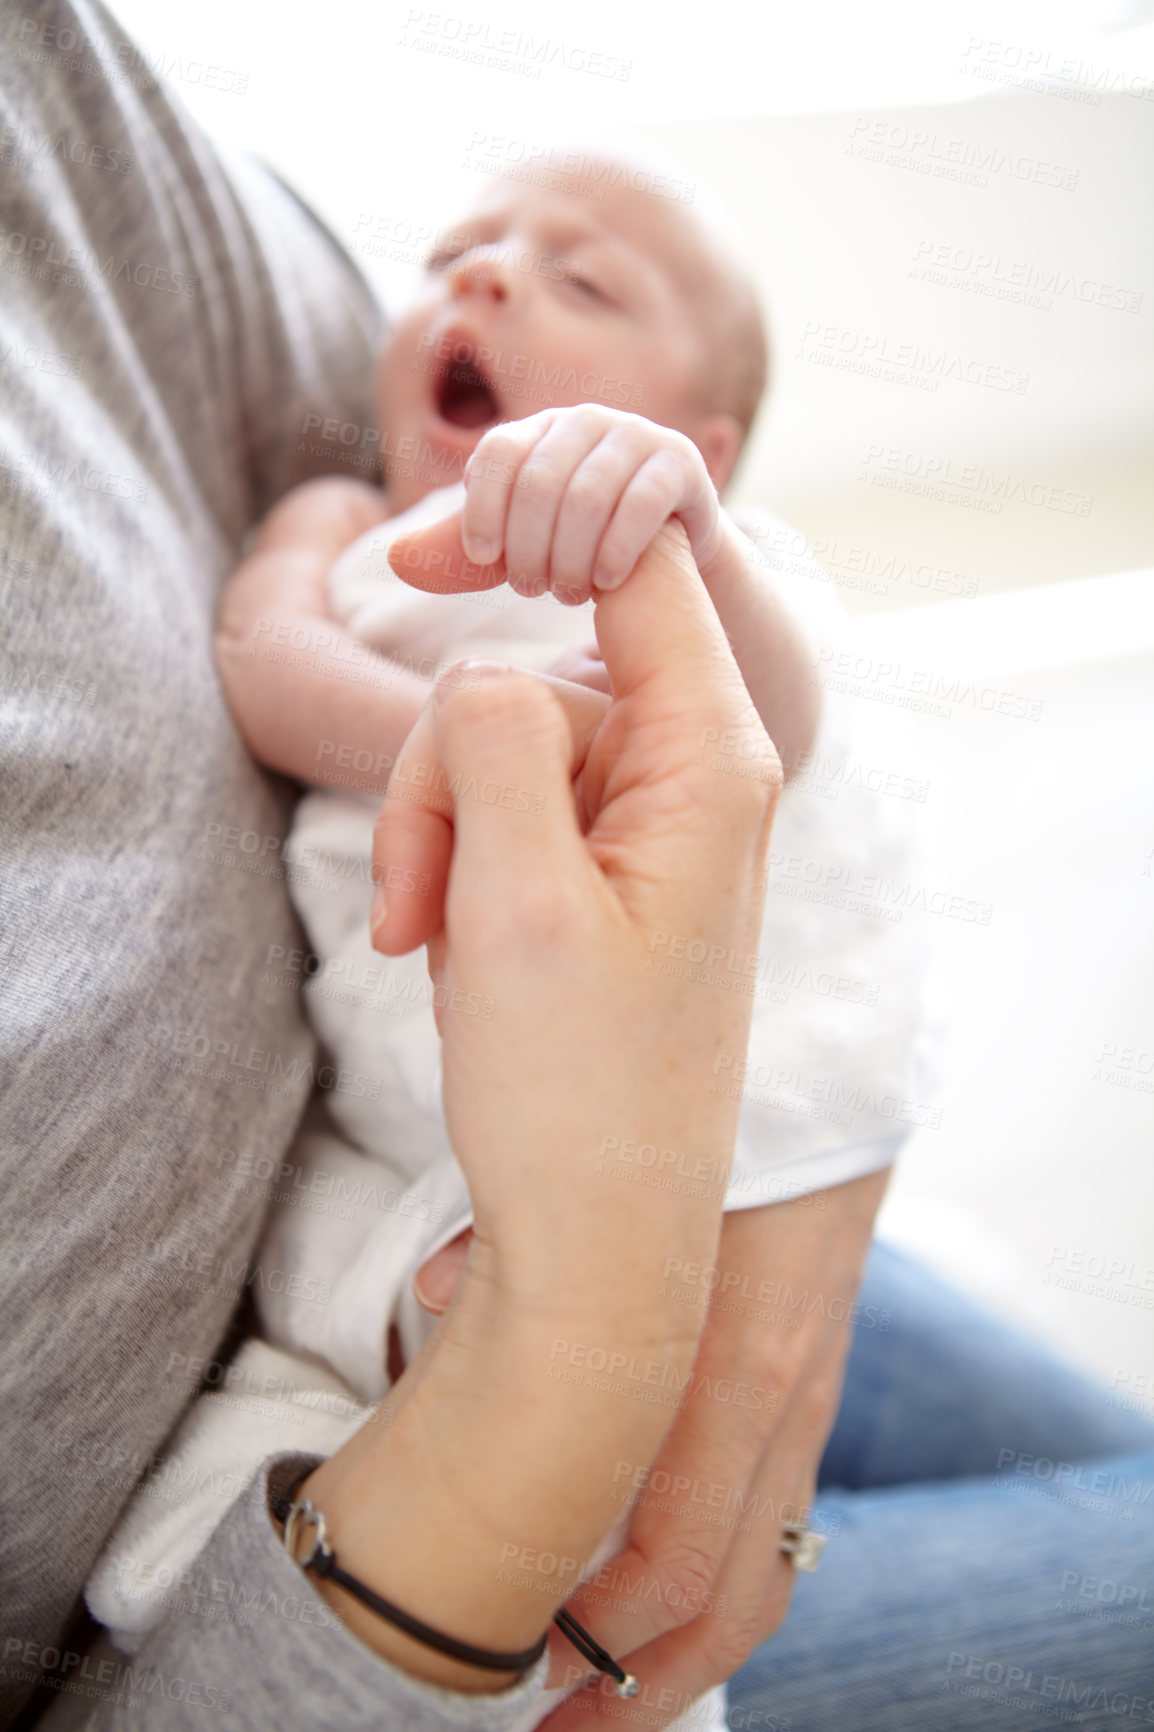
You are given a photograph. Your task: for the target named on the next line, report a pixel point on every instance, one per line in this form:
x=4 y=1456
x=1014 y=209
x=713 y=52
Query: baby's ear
x=719 y=438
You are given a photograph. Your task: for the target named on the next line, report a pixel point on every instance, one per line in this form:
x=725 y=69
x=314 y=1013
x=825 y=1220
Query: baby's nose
x=481 y=274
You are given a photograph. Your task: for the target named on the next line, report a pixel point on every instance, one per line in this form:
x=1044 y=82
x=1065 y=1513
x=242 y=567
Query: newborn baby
x=546 y=298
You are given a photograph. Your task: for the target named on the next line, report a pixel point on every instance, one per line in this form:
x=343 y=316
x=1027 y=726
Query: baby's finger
x=595 y=490
x=650 y=498
x=490 y=477
x=535 y=501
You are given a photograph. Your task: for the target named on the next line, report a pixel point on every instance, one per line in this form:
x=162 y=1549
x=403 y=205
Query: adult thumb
x=431 y=556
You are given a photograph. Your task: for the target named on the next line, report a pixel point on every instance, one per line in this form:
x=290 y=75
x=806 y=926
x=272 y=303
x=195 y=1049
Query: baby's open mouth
x=465 y=397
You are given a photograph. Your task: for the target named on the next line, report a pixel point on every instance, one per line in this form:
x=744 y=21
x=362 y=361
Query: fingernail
x=480 y=551
x=379 y=911
x=603 y=579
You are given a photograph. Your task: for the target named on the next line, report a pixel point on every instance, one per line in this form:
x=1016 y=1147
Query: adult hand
x=543 y=912
x=690 y=1599
x=652 y=839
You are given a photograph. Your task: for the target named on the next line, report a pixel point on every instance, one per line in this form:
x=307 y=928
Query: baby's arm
x=308 y=698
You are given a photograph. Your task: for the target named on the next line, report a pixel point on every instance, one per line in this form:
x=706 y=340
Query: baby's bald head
x=641 y=198
x=688 y=238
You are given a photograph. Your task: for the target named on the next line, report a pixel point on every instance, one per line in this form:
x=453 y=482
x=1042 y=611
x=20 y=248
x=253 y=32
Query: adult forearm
x=487 y=1480
x=776 y=660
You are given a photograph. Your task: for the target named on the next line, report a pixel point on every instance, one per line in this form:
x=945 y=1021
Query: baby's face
x=541 y=299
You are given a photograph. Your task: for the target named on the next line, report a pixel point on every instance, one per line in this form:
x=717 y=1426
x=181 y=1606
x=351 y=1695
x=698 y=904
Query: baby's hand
x=572 y=498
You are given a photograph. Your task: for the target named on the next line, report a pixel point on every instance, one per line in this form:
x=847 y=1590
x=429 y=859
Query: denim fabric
x=991 y=1559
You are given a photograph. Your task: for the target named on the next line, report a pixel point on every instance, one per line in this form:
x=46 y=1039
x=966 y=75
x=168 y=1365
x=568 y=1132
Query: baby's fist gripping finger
x=569 y=499
x=521 y=479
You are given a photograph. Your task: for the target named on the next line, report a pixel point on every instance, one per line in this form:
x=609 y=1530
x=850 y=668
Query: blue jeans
x=991 y=1559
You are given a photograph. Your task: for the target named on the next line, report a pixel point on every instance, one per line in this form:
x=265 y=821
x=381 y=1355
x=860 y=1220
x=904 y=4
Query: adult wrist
x=507 y=1342
x=603 y=1314
x=491 y=1475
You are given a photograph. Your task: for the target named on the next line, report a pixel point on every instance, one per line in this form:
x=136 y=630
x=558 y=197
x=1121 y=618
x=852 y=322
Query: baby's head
x=594 y=289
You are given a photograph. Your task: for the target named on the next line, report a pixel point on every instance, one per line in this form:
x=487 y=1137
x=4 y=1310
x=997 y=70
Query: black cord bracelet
x=322 y=1560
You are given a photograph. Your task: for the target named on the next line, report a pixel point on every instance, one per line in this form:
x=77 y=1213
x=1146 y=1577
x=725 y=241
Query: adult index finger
x=414 y=834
